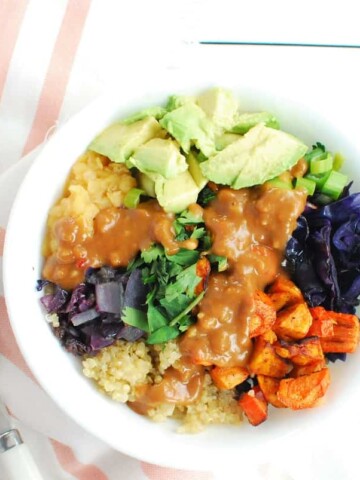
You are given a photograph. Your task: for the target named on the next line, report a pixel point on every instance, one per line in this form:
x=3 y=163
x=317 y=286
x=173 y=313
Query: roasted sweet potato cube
x=284 y=285
x=304 y=352
x=227 y=378
x=305 y=391
x=270 y=336
x=264 y=315
x=300 y=370
x=254 y=406
x=281 y=299
x=322 y=324
x=265 y=361
x=269 y=387
x=345 y=337
x=293 y=323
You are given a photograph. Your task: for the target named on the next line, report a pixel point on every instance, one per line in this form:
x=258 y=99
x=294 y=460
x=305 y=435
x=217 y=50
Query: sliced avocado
x=147 y=184
x=245 y=121
x=190 y=125
x=176 y=101
x=225 y=139
x=159 y=156
x=156 y=112
x=176 y=194
x=195 y=171
x=119 y=141
x=261 y=154
x=220 y=106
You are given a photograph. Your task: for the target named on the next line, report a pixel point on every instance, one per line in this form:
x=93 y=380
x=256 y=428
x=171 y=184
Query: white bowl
x=60 y=373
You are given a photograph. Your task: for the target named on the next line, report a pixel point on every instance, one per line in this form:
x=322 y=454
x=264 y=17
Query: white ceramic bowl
x=60 y=373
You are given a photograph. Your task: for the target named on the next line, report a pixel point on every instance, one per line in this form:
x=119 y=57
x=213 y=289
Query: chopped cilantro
x=155 y=318
x=172 y=281
x=221 y=262
x=135 y=318
x=198 y=233
x=186 y=282
x=184 y=257
x=206 y=196
x=152 y=253
x=163 y=334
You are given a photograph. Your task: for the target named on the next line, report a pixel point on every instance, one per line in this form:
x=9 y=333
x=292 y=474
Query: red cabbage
x=323 y=254
x=90 y=314
x=109 y=297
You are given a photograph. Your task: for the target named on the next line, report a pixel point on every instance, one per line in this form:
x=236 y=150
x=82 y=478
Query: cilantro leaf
x=135 y=318
x=155 y=318
x=175 y=306
x=186 y=282
x=206 y=196
x=198 y=232
x=221 y=261
x=188 y=309
x=152 y=253
x=205 y=242
x=163 y=334
x=188 y=218
x=184 y=257
x=185 y=322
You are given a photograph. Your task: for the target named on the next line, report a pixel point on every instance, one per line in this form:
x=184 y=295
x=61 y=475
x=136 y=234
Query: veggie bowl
x=210 y=232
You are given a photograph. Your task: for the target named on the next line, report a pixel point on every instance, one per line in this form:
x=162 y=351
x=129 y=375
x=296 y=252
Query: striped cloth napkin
x=55 y=57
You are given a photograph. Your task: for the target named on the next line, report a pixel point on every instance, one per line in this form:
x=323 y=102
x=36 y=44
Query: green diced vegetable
x=338 y=161
x=306 y=183
x=321 y=165
x=335 y=184
x=318 y=151
x=280 y=183
x=318 y=179
x=132 y=198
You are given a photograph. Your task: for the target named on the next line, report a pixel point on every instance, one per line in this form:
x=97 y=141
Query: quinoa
x=122 y=367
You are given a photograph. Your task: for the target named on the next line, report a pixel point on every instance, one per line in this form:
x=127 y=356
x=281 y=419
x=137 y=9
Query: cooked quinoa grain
x=120 y=368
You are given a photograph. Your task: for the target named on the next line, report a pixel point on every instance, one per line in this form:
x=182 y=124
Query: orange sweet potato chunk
x=226 y=378
x=345 y=337
x=322 y=324
x=304 y=352
x=293 y=323
x=269 y=387
x=264 y=316
x=300 y=370
x=265 y=361
x=305 y=391
x=284 y=285
x=254 y=406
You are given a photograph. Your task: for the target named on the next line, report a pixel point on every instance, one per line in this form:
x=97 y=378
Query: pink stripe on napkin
x=71 y=464
x=58 y=73
x=11 y=16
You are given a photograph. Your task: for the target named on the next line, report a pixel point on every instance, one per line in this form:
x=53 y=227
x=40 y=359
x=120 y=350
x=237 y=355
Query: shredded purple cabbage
x=323 y=255
x=90 y=315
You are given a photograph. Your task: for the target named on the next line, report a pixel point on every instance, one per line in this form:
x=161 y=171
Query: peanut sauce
x=119 y=234
x=181 y=385
x=251 y=228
